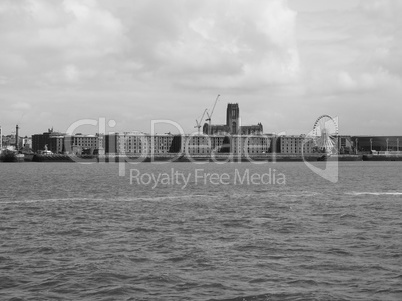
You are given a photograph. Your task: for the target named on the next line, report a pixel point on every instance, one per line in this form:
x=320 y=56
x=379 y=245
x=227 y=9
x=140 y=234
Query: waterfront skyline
x=284 y=62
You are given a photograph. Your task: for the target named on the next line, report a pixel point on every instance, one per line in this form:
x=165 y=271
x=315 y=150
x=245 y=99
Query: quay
x=176 y=157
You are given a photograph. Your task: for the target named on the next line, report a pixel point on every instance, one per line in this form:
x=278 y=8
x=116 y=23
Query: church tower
x=232 y=118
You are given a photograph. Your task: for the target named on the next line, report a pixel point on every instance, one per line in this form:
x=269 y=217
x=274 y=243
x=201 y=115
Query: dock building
x=61 y=143
x=294 y=145
x=298 y=144
x=194 y=145
x=80 y=144
x=136 y=143
x=368 y=144
x=40 y=140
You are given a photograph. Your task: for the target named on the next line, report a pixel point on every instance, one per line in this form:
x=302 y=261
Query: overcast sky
x=284 y=62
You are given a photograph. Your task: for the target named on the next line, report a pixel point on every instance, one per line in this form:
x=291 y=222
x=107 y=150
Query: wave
x=121 y=199
x=256 y=193
x=51 y=200
x=280 y=296
x=157 y=198
x=373 y=193
x=303 y=194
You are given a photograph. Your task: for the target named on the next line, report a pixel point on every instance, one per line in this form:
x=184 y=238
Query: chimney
x=16 y=137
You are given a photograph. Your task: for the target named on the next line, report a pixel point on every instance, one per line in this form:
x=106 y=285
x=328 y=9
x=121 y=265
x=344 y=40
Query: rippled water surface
x=81 y=232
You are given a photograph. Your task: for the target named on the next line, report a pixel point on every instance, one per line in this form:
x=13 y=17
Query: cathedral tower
x=232 y=118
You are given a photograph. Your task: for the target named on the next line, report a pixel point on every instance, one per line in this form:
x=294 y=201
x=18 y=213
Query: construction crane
x=210 y=116
x=199 y=123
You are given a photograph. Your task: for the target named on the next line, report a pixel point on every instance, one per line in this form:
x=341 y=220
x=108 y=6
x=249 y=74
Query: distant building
x=40 y=140
x=366 y=144
x=295 y=145
x=134 y=143
x=232 y=126
x=198 y=145
x=233 y=144
x=25 y=143
x=56 y=143
x=80 y=144
x=61 y=143
x=229 y=138
x=10 y=142
x=345 y=145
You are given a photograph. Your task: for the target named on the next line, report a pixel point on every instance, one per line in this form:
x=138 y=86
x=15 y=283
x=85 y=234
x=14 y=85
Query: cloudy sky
x=284 y=62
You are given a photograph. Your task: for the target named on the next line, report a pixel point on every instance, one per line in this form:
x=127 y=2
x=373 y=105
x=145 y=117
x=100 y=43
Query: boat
x=323 y=157
x=11 y=156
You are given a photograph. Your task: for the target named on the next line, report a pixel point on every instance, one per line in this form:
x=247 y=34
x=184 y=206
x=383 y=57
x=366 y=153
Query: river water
x=235 y=231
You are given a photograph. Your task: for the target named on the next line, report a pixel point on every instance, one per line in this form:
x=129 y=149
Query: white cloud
x=21 y=106
x=354 y=51
x=226 y=39
x=146 y=54
x=41 y=37
x=369 y=81
x=71 y=73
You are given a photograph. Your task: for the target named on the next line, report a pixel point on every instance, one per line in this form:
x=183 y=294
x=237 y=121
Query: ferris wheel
x=325 y=130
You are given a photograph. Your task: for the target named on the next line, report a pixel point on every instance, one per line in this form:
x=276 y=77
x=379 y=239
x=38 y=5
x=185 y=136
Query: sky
x=129 y=62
